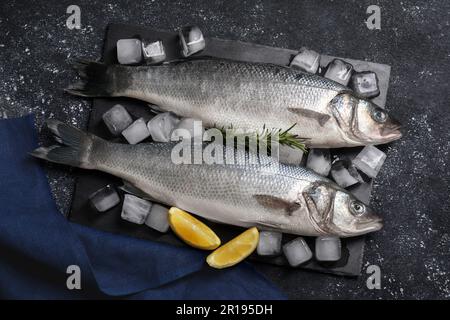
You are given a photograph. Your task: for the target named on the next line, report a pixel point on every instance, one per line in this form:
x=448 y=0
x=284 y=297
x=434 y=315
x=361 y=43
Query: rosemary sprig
x=264 y=137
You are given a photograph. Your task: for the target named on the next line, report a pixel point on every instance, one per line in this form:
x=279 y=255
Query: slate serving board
x=90 y=181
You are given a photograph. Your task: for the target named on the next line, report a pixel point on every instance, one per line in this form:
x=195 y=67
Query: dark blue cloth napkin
x=37 y=244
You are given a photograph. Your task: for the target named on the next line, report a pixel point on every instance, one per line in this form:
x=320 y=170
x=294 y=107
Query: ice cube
x=319 y=160
x=341 y=175
x=297 y=252
x=307 y=60
x=269 y=243
x=361 y=191
x=162 y=125
x=328 y=248
x=370 y=160
x=104 y=198
x=136 y=132
x=135 y=209
x=365 y=84
x=192 y=40
x=153 y=52
x=290 y=155
x=193 y=126
x=158 y=218
x=117 y=119
x=339 y=71
x=129 y=51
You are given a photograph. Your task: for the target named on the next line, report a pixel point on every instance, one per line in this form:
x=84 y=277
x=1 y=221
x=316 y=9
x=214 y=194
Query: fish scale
x=227 y=190
x=246 y=96
x=264 y=193
x=225 y=93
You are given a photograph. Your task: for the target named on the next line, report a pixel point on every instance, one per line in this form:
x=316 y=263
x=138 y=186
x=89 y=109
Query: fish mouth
x=370 y=225
x=392 y=132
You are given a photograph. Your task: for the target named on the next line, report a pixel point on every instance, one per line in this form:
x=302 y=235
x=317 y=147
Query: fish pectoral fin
x=273 y=202
x=132 y=189
x=320 y=117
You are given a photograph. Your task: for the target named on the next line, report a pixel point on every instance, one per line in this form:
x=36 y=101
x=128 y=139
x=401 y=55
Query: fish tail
x=97 y=79
x=74 y=149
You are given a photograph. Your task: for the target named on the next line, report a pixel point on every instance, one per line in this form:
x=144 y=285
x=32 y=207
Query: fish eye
x=379 y=115
x=357 y=208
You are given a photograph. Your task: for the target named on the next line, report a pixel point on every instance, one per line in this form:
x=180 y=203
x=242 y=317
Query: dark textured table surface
x=412 y=191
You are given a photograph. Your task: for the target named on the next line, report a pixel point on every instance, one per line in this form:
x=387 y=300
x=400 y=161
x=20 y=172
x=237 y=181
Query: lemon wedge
x=235 y=250
x=192 y=231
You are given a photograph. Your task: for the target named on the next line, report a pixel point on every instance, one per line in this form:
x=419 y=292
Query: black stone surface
x=412 y=190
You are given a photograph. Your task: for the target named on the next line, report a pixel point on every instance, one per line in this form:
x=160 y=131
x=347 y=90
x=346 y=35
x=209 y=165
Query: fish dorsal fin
x=132 y=189
x=320 y=117
x=273 y=202
x=190 y=59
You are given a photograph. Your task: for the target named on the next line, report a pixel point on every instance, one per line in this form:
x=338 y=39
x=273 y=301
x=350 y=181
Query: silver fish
x=289 y=199
x=247 y=96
